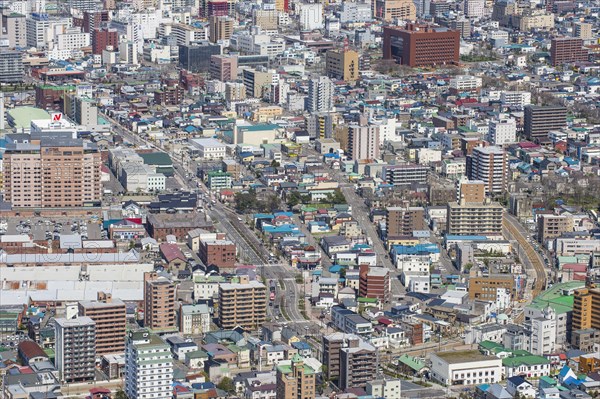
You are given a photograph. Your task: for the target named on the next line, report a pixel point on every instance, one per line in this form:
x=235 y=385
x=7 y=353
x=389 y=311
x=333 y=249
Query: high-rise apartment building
x=586 y=309
x=320 y=94
x=390 y=10
x=539 y=120
x=566 y=50
x=257 y=82
x=474 y=8
x=242 y=304
x=221 y=28
x=583 y=30
x=403 y=221
x=148 y=366
x=266 y=19
x=82 y=110
x=311 y=16
x=489 y=165
x=374 y=282
x=15 y=26
x=342 y=65
x=11 y=66
x=474 y=218
x=421 y=45
x=331 y=347
x=470 y=191
x=52 y=173
x=110 y=317
x=401 y=175
x=223 y=67
x=296 y=381
x=363 y=141
x=502 y=131
x=75 y=349
x=159 y=302
x=357 y=361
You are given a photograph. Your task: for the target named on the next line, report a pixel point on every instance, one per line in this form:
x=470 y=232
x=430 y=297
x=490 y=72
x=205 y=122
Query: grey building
x=75 y=349
x=196 y=58
x=11 y=67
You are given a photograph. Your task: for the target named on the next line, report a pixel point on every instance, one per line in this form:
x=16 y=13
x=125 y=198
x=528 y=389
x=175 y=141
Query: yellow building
x=295 y=381
x=342 y=65
x=389 y=10
x=264 y=114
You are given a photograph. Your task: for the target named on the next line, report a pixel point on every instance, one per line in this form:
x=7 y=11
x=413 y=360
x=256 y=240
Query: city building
x=502 y=131
x=82 y=110
x=421 y=46
x=320 y=94
x=257 y=82
x=221 y=253
x=395 y=10
x=196 y=58
x=363 y=141
x=474 y=8
x=54 y=172
x=221 y=28
x=103 y=39
x=75 y=349
x=467 y=367
x=159 y=303
x=539 y=120
x=295 y=381
x=242 y=304
x=11 y=66
x=489 y=165
x=15 y=26
x=583 y=30
x=403 y=221
x=551 y=226
x=474 y=218
x=148 y=366
x=470 y=191
x=407 y=174
x=223 y=67
x=567 y=50
x=194 y=319
x=311 y=16
x=485 y=288
x=342 y=65
x=374 y=282
x=110 y=317
x=357 y=361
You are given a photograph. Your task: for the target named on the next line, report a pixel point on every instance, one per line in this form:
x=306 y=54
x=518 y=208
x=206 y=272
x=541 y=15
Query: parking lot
x=46 y=229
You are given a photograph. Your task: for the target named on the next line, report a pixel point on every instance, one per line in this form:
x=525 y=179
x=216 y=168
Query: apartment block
x=342 y=65
x=539 y=120
x=358 y=360
x=489 y=165
x=257 y=82
x=223 y=68
x=11 y=66
x=390 y=10
x=148 y=366
x=583 y=307
x=159 y=303
x=374 y=282
x=320 y=94
x=551 y=226
x=485 y=287
x=194 y=319
x=566 y=50
x=474 y=218
x=221 y=28
x=111 y=318
x=75 y=349
x=295 y=381
x=403 y=221
x=407 y=174
x=242 y=304
x=363 y=141
x=470 y=191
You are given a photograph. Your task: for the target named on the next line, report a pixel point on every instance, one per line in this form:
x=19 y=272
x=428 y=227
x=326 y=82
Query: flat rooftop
x=463 y=356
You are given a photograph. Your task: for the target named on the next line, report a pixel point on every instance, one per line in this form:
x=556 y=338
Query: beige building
x=389 y=10
x=242 y=304
x=257 y=82
x=470 y=191
x=56 y=173
x=295 y=381
x=235 y=91
x=552 y=226
x=223 y=67
x=474 y=218
x=16 y=30
x=537 y=21
x=159 y=303
x=221 y=28
x=342 y=65
x=266 y=19
x=583 y=30
x=110 y=318
x=363 y=141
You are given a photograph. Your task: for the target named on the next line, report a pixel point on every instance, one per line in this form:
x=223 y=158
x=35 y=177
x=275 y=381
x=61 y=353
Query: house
x=523 y=387
x=175 y=259
x=527 y=365
x=334 y=244
x=549 y=393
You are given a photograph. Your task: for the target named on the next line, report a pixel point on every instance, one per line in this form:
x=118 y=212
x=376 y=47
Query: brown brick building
x=160 y=225
x=242 y=304
x=484 y=287
x=110 y=318
x=421 y=45
x=402 y=221
x=565 y=50
x=218 y=252
x=374 y=283
x=159 y=303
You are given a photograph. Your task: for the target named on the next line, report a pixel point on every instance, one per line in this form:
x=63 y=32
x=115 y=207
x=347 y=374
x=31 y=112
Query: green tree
x=245 y=201
x=226 y=385
x=293 y=199
x=120 y=394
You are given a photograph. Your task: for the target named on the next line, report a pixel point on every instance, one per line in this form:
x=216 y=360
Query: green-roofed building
x=295 y=380
x=532 y=366
x=160 y=161
x=559 y=298
x=411 y=364
x=21 y=117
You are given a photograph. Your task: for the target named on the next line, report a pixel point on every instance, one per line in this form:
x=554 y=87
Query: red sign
x=56 y=117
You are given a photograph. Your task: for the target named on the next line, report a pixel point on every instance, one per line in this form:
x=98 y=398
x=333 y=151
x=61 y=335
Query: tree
x=293 y=199
x=245 y=201
x=226 y=385
x=120 y=394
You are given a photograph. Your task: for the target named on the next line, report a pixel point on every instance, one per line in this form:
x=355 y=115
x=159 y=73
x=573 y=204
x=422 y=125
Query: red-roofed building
x=30 y=351
x=173 y=256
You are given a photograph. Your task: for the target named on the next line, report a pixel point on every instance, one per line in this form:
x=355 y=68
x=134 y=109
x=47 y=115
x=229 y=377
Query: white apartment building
x=148 y=366
x=465 y=82
x=320 y=93
x=194 y=319
x=209 y=148
x=426 y=156
x=387 y=128
x=515 y=98
x=465 y=368
x=454 y=168
x=389 y=389
x=311 y=16
x=474 y=8
x=502 y=131
x=187 y=34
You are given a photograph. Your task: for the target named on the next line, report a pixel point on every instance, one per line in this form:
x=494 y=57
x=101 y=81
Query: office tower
x=103 y=39
x=311 y=16
x=223 y=67
x=474 y=218
x=82 y=110
x=15 y=26
x=583 y=30
x=148 y=366
x=221 y=28
x=266 y=19
x=374 y=282
x=403 y=221
x=320 y=94
x=75 y=349
x=470 y=191
x=159 y=303
x=93 y=20
x=358 y=360
x=565 y=50
x=257 y=82
x=390 y=10
x=420 y=46
x=342 y=65
x=56 y=173
x=363 y=141
x=539 y=120
x=196 y=58
x=11 y=66
x=461 y=25
x=296 y=381
x=489 y=164
x=110 y=317
x=242 y=304
x=474 y=8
